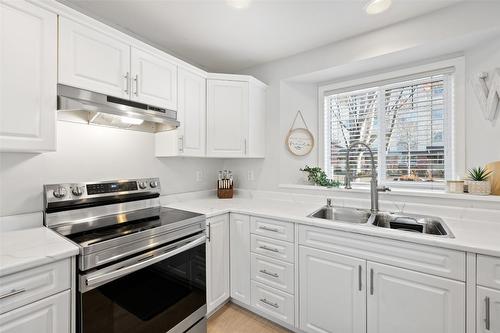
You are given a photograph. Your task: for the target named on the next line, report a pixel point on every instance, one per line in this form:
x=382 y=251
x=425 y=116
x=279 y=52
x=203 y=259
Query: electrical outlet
x=199 y=176
x=250 y=175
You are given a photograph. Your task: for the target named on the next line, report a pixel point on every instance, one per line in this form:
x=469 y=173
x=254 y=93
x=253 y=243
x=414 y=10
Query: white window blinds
x=406 y=120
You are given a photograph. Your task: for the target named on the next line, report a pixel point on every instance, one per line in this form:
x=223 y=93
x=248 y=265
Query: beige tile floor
x=234 y=319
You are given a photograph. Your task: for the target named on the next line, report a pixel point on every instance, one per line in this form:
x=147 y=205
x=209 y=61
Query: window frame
x=454 y=94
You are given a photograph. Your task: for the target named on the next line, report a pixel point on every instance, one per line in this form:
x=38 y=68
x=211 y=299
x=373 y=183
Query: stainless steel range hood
x=79 y=105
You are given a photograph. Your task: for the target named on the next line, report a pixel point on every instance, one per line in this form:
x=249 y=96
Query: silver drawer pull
x=487 y=320
x=12 y=293
x=265 y=301
x=263 y=227
x=263 y=247
x=263 y=271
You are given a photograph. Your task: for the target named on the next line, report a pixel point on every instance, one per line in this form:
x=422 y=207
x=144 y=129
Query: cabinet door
x=240 y=257
x=50 y=315
x=401 y=300
x=217 y=261
x=154 y=80
x=488 y=310
x=92 y=60
x=28 y=77
x=332 y=292
x=192 y=113
x=227 y=118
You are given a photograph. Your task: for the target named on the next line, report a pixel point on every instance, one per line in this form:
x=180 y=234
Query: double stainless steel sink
x=422 y=224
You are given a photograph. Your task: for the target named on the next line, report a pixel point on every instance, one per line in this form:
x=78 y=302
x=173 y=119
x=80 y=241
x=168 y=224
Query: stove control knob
x=153 y=184
x=77 y=191
x=59 y=192
x=142 y=185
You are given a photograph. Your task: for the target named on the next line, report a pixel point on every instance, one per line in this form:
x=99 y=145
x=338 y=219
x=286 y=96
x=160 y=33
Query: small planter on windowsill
x=225 y=193
x=478 y=182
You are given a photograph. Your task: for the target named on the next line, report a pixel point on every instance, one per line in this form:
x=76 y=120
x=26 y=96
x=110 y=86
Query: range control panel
x=78 y=191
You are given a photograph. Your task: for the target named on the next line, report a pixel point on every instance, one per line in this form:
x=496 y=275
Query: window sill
x=396 y=192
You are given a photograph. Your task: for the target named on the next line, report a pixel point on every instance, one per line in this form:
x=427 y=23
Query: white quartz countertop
x=27 y=248
x=470 y=235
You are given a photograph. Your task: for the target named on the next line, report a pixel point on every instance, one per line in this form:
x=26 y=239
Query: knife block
x=225 y=193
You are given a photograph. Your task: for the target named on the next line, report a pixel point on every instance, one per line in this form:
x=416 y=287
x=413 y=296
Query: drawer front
x=422 y=258
x=488 y=271
x=28 y=286
x=273 y=302
x=272 y=228
x=272 y=248
x=274 y=273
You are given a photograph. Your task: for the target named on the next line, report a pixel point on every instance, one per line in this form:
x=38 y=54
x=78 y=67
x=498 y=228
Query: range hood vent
x=84 y=106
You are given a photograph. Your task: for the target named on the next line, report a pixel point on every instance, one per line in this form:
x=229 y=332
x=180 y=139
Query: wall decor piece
x=300 y=141
x=488 y=96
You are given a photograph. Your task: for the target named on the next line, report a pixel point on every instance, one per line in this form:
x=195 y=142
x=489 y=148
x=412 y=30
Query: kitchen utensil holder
x=225 y=193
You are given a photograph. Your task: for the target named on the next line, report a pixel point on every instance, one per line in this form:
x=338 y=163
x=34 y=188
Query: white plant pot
x=479 y=188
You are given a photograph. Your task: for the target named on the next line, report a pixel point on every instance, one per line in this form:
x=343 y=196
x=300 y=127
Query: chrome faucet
x=374 y=188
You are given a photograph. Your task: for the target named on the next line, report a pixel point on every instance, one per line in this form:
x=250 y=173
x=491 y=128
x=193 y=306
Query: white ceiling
x=221 y=38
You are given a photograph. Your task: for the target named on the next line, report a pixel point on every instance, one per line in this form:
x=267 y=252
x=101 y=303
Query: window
x=404 y=121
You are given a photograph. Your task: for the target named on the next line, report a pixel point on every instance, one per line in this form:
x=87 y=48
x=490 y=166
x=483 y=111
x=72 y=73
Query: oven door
x=163 y=290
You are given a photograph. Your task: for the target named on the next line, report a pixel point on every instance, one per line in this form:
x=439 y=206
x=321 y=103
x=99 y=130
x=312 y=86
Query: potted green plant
x=478 y=182
x=317 y=176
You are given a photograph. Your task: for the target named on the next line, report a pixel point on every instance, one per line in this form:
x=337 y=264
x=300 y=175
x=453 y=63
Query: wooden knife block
x=225 y=193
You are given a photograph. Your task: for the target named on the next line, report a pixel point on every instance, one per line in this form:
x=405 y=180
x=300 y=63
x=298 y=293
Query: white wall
x=91 y=153
x=467 y=29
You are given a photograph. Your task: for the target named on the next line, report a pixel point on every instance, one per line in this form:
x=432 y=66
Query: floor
x=234 y=319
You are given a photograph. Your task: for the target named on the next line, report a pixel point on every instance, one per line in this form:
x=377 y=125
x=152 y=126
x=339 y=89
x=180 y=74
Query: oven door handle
x=96 y=280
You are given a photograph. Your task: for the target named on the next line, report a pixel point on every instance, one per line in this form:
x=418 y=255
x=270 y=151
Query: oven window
x=152 y=300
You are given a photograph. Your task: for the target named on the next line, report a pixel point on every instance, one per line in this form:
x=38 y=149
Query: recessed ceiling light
x=239 y=4
x=377 y=6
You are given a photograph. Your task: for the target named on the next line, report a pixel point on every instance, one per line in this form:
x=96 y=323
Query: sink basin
x=343 y=214
x=412 y=223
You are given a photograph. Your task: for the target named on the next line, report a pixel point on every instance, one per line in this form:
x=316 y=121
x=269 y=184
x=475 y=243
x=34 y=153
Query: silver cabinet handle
x=371 y=281
x=274 y=305
x=181 y=143
x=136 y=80
x=209 y=238
x=12 y=293
x=360 y=273
x=487 y=320
x=127 y=83
x=263 y=227
x=263 y=247
x=245 y=143
x=263 y=271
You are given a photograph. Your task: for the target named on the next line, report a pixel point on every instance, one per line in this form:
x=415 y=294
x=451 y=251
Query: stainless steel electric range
x=141 y=267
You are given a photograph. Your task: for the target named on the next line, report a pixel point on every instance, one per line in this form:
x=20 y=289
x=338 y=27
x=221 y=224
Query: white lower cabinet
x=217 y=261
x=401 y=300
x=49 y=315
x=332 y=292
x=239 y=230
x=488 y=310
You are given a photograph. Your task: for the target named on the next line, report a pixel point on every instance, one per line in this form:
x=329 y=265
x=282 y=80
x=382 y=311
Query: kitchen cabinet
x=401 y=300
x=217 y=261
x=239 y=229
x=49 y=315
x=93 y=60
x=332 y=292
x=28 y=77
x=235 y=116
x=154 y=79
x=488 y=310
x=189 y=139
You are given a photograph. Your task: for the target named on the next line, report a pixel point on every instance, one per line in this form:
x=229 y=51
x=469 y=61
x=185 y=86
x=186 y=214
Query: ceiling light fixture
x=238 y=4
x=131 y=121
x=377 y=6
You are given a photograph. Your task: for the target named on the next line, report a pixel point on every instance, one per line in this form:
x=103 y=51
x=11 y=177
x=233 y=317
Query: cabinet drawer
x=272 y=228
x=272 y=248
x=274 y=273
x=488 y=271
x=31 y=285
x=273 y=302
x=426 y=259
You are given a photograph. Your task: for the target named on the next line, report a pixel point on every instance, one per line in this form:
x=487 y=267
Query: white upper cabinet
x=28 y=77
x=400 y=300
x=92 y=60
x=190 y=138
x=235 y=116
x=154 y=79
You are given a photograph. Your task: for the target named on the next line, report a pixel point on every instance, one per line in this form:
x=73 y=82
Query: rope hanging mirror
x=300 y=140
